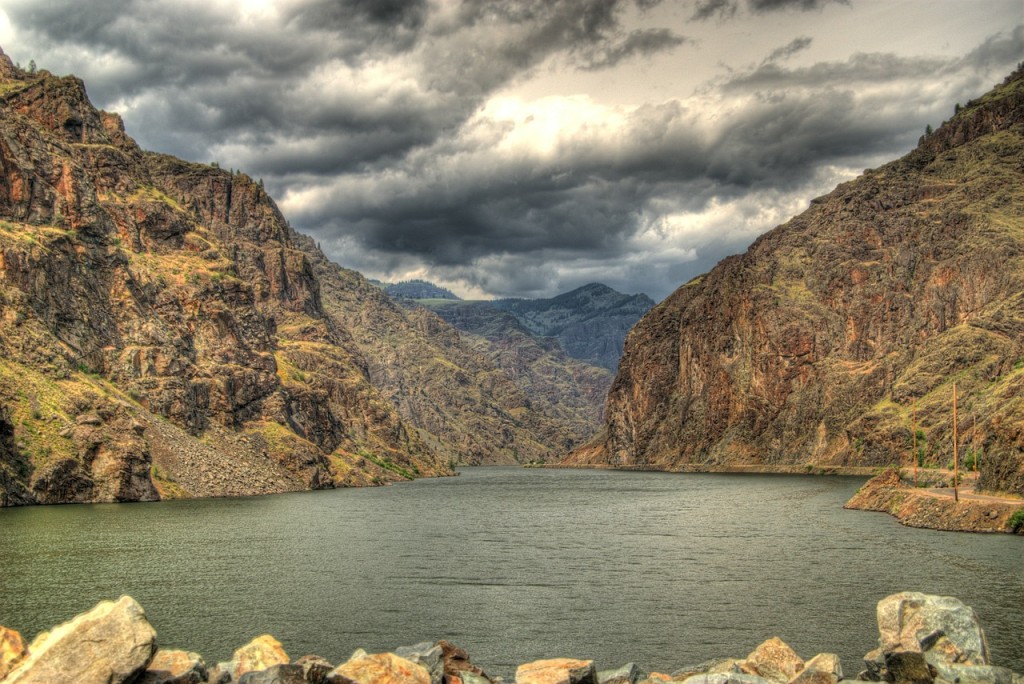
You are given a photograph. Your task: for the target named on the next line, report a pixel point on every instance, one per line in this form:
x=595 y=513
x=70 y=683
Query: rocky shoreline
x=923 y=639
x=914 y=507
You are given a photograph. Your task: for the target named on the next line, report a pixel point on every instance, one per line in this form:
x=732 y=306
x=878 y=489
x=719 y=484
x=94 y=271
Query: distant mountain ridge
x=590 y=322
x=419 y=289
x=839 y=330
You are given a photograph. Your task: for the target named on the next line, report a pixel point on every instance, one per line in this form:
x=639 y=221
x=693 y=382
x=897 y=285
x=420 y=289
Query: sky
x=528 y=147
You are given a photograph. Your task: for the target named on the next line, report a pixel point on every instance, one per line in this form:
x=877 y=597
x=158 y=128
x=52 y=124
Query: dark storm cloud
x=726 y=9
x=636 y=43
x=376 y=126
x=786 y=51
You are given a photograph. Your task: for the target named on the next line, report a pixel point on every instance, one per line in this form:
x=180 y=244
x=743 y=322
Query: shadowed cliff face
x=164 y=332
x=815 y=345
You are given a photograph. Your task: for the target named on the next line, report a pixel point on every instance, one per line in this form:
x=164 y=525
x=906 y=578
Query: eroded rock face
x=110 y=644
x=813 y=345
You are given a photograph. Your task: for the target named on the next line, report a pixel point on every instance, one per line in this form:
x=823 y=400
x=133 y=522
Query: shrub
x=1017 y=520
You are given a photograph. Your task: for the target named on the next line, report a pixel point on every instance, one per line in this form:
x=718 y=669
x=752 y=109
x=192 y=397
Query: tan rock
x=175 y=667
x=12 y=647
x=380 y=668
x=111 y=643
x=259 y=654
x=557 y=671
x=823 y=668
x=774 y=660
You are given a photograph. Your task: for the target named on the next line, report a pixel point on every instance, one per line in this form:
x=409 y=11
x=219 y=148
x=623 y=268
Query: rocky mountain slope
x=589 y=322
x=164 y=332
x=819 y=344
x=556 y=385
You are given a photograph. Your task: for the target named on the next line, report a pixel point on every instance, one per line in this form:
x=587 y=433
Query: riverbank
x=754 y=468
x=935 y=507
x=923 y=639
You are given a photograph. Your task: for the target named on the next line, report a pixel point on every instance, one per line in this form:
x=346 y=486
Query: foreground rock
x=557 y=671
x=923 y=639
x=380 y=668
x=112 y=643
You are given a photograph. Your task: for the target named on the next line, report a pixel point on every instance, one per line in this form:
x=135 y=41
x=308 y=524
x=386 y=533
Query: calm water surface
x=512 y=564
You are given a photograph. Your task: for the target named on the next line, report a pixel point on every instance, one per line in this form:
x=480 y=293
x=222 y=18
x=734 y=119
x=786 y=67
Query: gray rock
x=712 y=665
x=942 y=625
x=726 y=678
x=629 y=673
x=110 y=644
x=427 y=654
x=469 y=677
x=276 y=674
x=973 y=674
x=315 y=668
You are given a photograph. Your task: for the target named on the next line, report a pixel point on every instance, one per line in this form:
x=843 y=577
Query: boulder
x=430 y=656
x=774 y=660
x=713 y=665
x=456 y=661
x=941 y=626
x=557 y=671
x=726 y=678
x=315 y=668
x=823 y=668
x=908 y=667
x=175 y=667
x=467 y=677
x=259 y=654
x=12 y=646
x=629 y=673
x=379 y=668
x=111 y=643
x=283 y=673
x=974 y=674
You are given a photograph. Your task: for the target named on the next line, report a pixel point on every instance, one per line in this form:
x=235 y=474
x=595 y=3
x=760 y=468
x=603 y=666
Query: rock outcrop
x=915 y=507
x=922 y=638
x=819 y=343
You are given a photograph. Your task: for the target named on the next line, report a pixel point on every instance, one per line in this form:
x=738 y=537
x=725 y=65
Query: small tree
x=31 y=66
x=928 y=130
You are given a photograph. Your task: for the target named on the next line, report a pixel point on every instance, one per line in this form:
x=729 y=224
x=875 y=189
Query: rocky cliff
x=589 y=322
x=821 y=343
x=164 y=332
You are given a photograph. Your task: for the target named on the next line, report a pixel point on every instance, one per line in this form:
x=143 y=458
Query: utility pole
x=913 y=404
x=956 y=461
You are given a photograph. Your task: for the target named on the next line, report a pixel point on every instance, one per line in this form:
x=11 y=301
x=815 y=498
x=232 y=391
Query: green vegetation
x=393 y=467
x=1016 y=522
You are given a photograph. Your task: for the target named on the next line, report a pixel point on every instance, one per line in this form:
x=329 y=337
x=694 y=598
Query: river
x=512 y=564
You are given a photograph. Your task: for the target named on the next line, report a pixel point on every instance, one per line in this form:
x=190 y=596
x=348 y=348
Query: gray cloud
x=786 y=51
x=727 y=9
